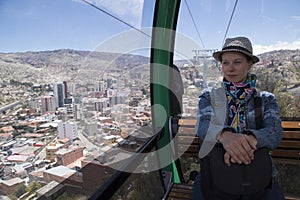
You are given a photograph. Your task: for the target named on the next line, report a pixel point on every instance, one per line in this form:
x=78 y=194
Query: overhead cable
x=190 y=13
x=120 y=20
x=229 y=22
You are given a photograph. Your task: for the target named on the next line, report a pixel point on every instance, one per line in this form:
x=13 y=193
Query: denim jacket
x=210 y=109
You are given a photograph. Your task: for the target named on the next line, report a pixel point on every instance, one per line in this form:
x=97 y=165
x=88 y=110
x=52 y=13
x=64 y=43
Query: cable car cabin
x=160 y=158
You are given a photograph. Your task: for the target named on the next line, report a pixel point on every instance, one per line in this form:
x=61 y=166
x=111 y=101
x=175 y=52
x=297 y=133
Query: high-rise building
x=66 y=89
x=99 y=86
x=48 y=104
x=109 y=82
x=34 y=105
x=69 y=105
x=118 y=98
x=78 y=115
x=59 y=94
x=101 y=104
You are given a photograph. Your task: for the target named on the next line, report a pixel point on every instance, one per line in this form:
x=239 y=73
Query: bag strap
x=258 y=125
x=258 y=110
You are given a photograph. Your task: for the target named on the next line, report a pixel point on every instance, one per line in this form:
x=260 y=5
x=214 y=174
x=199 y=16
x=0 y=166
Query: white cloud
x=258 y=49
x=129 y=11
x=295 y=18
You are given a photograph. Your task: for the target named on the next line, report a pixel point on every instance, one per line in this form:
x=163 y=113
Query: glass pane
x=76 y=77
x=147 y=181
x=273 y=28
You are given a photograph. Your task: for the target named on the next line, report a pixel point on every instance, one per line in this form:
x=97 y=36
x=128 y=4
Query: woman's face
x=235 y=66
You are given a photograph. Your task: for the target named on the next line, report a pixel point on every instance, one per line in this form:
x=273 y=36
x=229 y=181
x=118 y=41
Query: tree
x=19 y=191
x=269 y=80
x=33 y=186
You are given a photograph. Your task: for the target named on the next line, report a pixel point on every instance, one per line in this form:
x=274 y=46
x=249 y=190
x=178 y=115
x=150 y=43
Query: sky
x=39 y=25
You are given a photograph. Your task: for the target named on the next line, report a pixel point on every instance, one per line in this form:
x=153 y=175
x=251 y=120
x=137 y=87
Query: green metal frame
x=162 y=53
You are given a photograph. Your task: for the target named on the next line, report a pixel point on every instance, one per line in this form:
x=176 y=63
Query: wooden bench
x=288 y=152
x=184 y=192
x=181 y=192
x=289 y=148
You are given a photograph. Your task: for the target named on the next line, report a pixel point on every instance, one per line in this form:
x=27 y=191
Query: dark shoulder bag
x=237 y=179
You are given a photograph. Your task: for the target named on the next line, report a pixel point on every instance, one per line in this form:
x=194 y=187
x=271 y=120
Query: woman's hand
x=239 y=147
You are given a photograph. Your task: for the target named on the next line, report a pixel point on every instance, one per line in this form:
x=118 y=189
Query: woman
x=226 y=117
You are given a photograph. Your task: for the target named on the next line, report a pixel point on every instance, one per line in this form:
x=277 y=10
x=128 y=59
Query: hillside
x=64 y=64
x=279 y=68
x=50 y=66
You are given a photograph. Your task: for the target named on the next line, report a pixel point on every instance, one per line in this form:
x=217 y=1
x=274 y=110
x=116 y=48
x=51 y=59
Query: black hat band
x=238 y=48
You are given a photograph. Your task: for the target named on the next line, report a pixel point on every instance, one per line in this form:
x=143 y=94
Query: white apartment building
x=67 y=130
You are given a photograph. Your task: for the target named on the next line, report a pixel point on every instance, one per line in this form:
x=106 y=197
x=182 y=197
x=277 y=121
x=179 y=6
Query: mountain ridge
x=29 y=66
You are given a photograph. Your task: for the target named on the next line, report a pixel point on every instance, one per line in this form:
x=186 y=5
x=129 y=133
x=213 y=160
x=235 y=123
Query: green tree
x=287 y=102
x=33 y=186
x=19 y=191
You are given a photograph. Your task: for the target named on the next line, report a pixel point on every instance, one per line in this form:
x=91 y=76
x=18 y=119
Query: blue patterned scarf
x=237 y=95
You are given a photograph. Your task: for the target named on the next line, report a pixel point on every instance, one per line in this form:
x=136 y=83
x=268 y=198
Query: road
x=10 y=106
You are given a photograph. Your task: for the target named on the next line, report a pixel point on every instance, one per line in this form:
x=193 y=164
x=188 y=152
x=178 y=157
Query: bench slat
x=186 y=130
x=282 y=153
x=188 y=139
x=187 y=122
x=294 y=144
x=188 y=148
x=290 y=124
x=291 y=135
x=291 y=198
x=181 y=191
